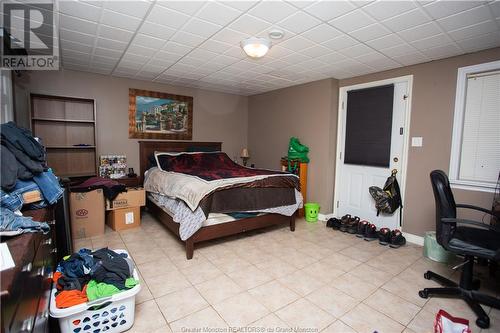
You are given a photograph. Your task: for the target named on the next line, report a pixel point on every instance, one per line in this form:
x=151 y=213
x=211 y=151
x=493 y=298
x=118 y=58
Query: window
x=475 y=156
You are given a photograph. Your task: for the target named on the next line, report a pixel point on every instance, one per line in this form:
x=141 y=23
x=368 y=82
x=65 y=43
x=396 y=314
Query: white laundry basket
x=108 y=314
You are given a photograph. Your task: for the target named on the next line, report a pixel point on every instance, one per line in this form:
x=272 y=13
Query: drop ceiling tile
x=356 y=50
x=420 y=32
x=187 y=39
x=215 y=46
x=76 y=24
x=133 y=8
x=107 y=52
x=223 y=60
x=104 y=61
x=166 y=16
x=130 y=57
x=442 y=51
x=332 y=58
x=190 y=61
x=146 y=75
x=327 y=10
x=495 y=8
x=321 y=33
x=75 y=54
x=203 y=54
x=407 y=20
x=236 y=52
x=398 y=50
x=115 y=33
x=78 y=60
x=474 y=30
x=148 y=41
x=272 y=11
x=297 y=43
x=248 y=24
x=129 y=64
x=382 y=10
x=153 y=69
x=433 y=41
x=111 y=44
x=141 y=50
x=312 y=64
x=411 y=59
x=340 y=42
x=480 y=42
x=68 y=45
x=385 y=42
x=76 y=37
x=352 y=21
x=201 y=28
x=177 y=48
x=468 y=17
x=299 y=22
x=80 y=10
x=157 y=30
x=119 y=20
x=218 y=13
x=316 y=51
x=163 y=58
x=240 y=5
x=439 y=9
x=370 y=32
x=229 y=36
x=295 y=57
x=97 y=70
x=76 y=67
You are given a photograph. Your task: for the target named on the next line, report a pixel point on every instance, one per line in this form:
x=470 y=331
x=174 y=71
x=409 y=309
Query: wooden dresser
x=25 y=289
x=300 y=169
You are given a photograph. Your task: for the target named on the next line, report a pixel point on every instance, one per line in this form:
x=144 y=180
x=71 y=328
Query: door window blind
x=480 y=151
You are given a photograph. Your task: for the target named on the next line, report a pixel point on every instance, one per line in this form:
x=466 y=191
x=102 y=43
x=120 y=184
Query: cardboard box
x=124 y=218
x=134 y=197
x=87 y=214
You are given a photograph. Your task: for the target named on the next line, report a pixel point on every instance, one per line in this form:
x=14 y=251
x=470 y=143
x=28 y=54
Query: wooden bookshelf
x=65 y=123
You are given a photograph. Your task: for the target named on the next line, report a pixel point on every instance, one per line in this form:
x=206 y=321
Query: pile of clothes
x=23 y=169
x=86 y=276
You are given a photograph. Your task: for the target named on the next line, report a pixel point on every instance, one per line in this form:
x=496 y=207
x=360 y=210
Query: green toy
x=297 y=151
x=312 y=210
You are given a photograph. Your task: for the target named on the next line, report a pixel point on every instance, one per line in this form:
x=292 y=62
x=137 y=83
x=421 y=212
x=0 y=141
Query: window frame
x=458 y=123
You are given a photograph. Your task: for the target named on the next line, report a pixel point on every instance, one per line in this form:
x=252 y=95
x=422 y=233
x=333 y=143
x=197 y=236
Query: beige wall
x=433 y=106
x=308 y=112
x=216 y=116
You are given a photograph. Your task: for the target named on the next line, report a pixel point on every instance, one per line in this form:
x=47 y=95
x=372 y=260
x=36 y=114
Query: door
x=372 y=136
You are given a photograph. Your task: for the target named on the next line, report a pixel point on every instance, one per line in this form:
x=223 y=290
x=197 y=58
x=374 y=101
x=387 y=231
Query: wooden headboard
x=147 y=148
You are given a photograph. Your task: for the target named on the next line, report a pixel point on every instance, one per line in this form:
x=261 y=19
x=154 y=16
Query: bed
x=207 y=232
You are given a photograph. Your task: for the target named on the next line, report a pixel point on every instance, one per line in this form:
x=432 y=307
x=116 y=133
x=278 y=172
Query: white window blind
x=480 y=148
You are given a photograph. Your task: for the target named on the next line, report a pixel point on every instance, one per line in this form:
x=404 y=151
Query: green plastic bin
x=311 y=211
x=434 y=251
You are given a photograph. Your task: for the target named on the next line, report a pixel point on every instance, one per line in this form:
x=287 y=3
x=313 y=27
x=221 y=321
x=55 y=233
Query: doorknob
x=395 y=159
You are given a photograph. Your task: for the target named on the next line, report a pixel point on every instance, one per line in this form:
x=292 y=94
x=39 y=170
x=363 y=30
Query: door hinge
x=338 y=204
x=340 y=155
x=401 y=131
x=342 y=105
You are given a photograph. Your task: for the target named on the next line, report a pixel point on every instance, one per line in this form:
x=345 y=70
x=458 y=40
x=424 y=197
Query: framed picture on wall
x=156 y=115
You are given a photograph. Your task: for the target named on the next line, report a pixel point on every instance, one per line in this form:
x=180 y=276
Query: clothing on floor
x=97 y=290
x=110 y=188
x=111 y=267
x=10 y=221
x=67 y=298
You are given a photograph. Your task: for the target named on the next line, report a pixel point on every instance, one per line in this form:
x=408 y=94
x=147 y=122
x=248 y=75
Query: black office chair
x=467 y=238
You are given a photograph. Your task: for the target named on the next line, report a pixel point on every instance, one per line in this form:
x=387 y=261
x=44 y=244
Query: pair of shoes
x=362 y=225
x=349 y=224
x=333 y=223
x=393 y=238
x=370 y=232
x=344 y=221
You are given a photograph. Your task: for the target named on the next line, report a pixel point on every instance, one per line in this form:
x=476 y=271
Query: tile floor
x=314 y=278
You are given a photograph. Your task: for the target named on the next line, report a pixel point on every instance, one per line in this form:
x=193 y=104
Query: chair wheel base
x=424 y=294
x=483 y=322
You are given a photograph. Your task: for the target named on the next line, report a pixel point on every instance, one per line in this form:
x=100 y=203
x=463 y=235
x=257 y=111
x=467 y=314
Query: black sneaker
x=352 y=228
x=397 y=239
x=384 y=236
x=362 y=228
x=344 y=222
x=370 y=232
x=329 y=223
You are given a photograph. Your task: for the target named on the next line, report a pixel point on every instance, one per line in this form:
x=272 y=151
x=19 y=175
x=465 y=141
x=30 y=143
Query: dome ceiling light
x=256 y=47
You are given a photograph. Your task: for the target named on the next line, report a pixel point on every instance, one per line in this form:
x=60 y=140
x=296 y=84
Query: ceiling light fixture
x=276 y=34
x=256 y=47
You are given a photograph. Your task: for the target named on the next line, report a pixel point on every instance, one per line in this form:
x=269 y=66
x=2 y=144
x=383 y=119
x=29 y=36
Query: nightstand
x=129 y=181
x=300 y=169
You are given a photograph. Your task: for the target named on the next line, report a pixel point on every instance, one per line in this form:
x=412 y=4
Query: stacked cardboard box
x=124 y=212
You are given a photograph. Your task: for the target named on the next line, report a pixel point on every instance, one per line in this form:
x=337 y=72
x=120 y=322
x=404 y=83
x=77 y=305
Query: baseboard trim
x=324 y=217
x=414 y=239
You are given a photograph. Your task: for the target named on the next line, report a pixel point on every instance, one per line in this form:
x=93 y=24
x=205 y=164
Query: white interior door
x=372 y=163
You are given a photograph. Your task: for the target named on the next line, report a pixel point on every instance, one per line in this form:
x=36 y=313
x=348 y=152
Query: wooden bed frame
x=147 y=148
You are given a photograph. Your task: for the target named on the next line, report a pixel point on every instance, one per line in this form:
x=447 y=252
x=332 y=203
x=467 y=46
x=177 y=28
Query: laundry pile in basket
x=86 y=276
